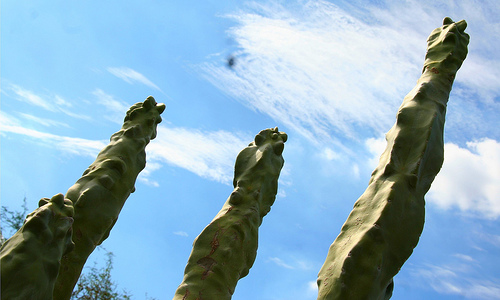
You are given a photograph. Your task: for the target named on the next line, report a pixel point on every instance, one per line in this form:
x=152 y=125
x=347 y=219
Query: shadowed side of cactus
x=226 y=249
x=387 y=220
x=30 y=259
x=100 y=193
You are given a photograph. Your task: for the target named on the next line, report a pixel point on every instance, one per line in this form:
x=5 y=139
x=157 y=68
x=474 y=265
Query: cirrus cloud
x=131 y=76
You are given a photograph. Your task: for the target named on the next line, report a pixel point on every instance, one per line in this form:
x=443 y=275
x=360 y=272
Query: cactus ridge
x=101 y=192
x=387 y=220
x=226 y=249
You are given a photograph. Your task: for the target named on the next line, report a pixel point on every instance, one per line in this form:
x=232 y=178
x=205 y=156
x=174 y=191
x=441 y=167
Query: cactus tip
x=161 y=107
x=447 y=21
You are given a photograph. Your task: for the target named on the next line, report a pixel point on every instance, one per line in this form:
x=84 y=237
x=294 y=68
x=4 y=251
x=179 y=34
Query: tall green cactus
x=387 y=220
x=30 y=259
x=225 y=250
x=100 y=193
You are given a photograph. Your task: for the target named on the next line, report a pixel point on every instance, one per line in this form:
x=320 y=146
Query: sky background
x=331 y=74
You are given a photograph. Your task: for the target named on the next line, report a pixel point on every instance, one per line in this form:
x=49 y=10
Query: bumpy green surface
x=100 y=193
x=30 y=259
x=387 y=220
x=225 y=250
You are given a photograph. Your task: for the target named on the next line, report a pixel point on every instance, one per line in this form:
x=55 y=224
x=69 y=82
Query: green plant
x=101 y=192
x=30 y=259
x=226 y=249
x=387 y=220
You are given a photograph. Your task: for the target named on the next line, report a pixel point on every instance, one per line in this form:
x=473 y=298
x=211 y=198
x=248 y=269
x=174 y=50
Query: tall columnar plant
x=100 y=193
x=226 y=249
x=30 y=259
x=387 y=220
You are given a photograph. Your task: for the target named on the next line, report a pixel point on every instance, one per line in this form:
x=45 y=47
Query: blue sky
x=330 y=74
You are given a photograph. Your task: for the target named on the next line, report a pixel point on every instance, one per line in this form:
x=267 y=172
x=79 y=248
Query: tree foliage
x=97 y=284
x=12 y=220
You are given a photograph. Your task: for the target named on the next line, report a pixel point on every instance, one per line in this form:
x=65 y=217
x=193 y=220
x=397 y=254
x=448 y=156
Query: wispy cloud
x=181 y=233
x=469 y=179
x=492 y=239
x=31 y=98
x=464 y=257
x=145 y=175
x=481 y=71
x=65 y=144
x=43 y=121
x=208 y=154
x=115 y=108
x=292 y=263
x=131 y=76
x=280 y=262
x=52 y=103
x=327 y=73
x=457 y=280
x=62 y=102
x=309 y=68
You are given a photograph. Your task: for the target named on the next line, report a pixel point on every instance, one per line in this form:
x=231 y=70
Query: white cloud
x=131 y=76
x=355 y=171
x=469 y=179
x=210 y=155
x=330 y=75
x=181 y=233
x=145 y=174
x=312 y=289
x=207 y=154
x=329 y=154
x=30 y=97
x=293 y=263
x=457 y=280
x=312 y=286
x=62 y=102
x=375 y=147
x=481 y=71
x=66 y=144
x=54 y=103
x=464 y=257
x=116 y=109
x=489 y=238
x=310 y=68
x=44 y=122
x=280 y=262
